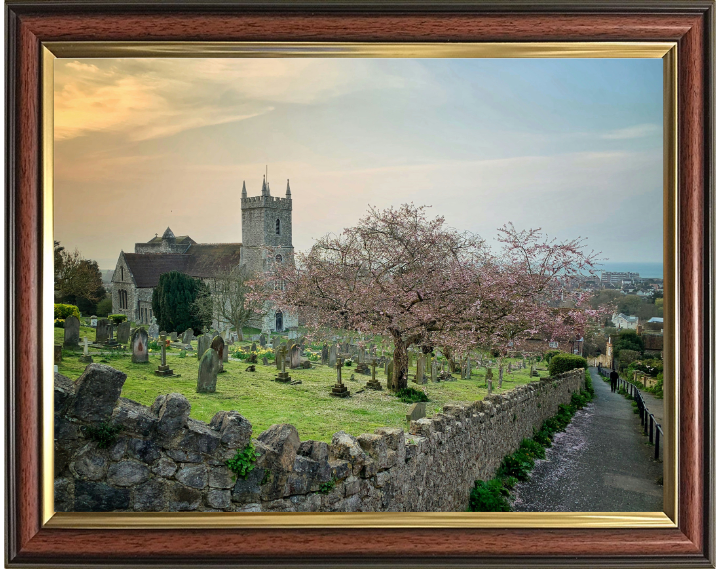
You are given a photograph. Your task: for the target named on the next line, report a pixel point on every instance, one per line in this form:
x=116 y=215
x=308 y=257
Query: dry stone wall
x=162 y=460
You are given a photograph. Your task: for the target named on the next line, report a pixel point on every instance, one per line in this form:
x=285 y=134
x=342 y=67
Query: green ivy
x=326 y=487
x=242 y=463
x=104 y=434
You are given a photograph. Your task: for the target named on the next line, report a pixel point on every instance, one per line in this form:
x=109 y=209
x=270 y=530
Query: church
x=266 y=238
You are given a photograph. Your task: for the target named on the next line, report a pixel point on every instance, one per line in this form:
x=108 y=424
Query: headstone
x=420 y=374
x=279 y=355
x=468 y=369
x=93 y=321
x=111 y=342
x=434 y=371
x=218 y=344
x=101 y=331
x=123 y=332
x=361 y=355
x=226 y=353
x=416 y=411
x=163 y=370
x=263 y=340
x=72 y=332
x=390 y=367
x=58 y=354
x=139 y=346
x=208 y=371
x=339 y=390
x=294 y=356
x=86 y=358
x=203 y=343
x=188 y=336
x=282 y=376
x=276 y=342
x=374 y=383
x=173 y=336
x=265 y=361
x=324 y=355
x=332 y=355
x=253 y=348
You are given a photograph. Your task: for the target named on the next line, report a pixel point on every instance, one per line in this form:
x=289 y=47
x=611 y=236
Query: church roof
x=178 y=239
x=199 y=261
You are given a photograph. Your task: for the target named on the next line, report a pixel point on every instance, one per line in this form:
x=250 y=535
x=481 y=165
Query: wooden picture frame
x=33 y=24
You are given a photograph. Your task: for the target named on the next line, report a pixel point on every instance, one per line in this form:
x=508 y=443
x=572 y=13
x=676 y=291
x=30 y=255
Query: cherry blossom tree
x=397 y=273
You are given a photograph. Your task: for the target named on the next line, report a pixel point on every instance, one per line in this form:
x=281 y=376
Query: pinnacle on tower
x=265 y=188
x=244 y=190
x=287 y=190
x=168 y=234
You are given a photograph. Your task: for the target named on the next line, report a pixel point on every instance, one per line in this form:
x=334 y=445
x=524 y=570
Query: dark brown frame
x=690 y=23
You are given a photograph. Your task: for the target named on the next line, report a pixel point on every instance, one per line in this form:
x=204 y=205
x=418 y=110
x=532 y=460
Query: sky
x=573 y=147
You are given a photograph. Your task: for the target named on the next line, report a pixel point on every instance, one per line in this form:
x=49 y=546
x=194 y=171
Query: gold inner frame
x=208 y=520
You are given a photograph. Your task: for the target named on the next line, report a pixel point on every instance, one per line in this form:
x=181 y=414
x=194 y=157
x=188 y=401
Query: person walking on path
x=614 y=380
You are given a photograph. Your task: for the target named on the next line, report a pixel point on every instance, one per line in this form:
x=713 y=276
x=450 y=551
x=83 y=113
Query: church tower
x=266 y=239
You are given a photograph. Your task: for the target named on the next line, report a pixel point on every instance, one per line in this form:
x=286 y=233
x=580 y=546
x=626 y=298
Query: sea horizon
x=645 y=269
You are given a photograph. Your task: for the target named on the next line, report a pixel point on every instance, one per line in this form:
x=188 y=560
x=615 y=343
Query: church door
x=278 y=322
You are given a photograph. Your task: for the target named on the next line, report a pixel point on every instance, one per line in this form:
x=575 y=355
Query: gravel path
x=600 y=463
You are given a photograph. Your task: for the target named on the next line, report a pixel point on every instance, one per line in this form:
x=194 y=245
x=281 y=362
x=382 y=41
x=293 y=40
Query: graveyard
x=257 y=395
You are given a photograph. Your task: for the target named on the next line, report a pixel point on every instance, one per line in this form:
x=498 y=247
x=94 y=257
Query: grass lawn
x=307 y=406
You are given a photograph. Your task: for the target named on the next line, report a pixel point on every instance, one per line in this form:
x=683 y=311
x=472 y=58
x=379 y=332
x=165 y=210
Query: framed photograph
x=360 y=283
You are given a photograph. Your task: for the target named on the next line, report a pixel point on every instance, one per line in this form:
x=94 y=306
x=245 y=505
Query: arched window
x=277 y=226
x=278 y=258
x=122 y=273
x=278 y=321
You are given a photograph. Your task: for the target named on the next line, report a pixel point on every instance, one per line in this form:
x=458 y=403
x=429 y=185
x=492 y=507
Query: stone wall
x=165 y=461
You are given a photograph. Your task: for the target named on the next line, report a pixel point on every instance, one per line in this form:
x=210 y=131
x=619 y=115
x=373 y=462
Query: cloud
x=152 y=98
x=632 y=132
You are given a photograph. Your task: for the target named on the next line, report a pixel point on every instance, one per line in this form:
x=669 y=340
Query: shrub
x=62 y=311
x=348 y=362
x=532 y=447
x=242 y=463
x=183 y=354
x=104 y=434
x=410 y=395
x=117 y=318
x=154 y=345
x=326 y=487
x=565 y=362
x=104 y=307
x=492 y=496
x=515 y=466
x=550 y=354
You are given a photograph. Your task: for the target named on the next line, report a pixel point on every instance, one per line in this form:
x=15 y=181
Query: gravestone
x=72 y=332
x=324 y=355
x=294 y=356
x=163 y=370
x=374 y=383
x=203 y=343
x=123 y=332
x=434 y=371
x=339 y=390
x=226 y=352
x=282 y=376
x=93 y=321
x=218 y=344
x=420 y=373
x=101 y=331
x=188 y=336
x=416 y=411
x=276 y=342
x=265 y=361
x=58 y=354
x=253 y=348
x=172 y=336
x=279 y=354
x=86 y=358
x=111 y=342
x=390 y=367
x=207 y=371
x=263 y=340
x=332 y=355
x=153 y=331
x=139 y=346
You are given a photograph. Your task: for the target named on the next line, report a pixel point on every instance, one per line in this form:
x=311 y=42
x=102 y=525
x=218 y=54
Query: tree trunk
x=400 y=365
x=451 y=363
x=241 y=336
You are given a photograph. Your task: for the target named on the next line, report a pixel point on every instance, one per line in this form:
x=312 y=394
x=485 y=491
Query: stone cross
x=163 y=369
x=339 y=389
x=85 y=346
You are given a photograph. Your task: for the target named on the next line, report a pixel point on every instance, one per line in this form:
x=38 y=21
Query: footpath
x=601 y=463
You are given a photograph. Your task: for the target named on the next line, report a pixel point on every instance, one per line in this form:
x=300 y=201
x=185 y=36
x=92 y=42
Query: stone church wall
x=165 y=461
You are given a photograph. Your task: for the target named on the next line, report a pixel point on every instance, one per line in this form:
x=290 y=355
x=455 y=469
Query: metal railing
x=653 y=429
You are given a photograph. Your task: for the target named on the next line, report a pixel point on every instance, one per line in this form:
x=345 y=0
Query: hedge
x=62 y=311
x=117 y=318
x=550 y=354
x=566 y=362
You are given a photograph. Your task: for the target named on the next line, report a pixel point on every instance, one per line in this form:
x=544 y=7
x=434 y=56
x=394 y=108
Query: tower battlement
x=275 y=202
